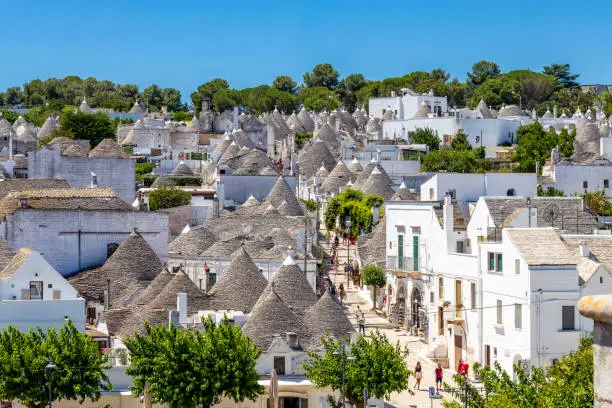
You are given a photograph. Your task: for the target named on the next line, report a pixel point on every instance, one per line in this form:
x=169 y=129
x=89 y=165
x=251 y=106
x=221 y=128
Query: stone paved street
x=417 y=349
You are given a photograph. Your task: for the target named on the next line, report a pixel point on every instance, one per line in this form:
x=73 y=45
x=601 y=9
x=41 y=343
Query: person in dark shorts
x=438 y=378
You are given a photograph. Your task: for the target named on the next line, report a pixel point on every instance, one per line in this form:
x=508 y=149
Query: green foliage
x=165 y=197
x=566 y=142
x=561 y=73
x=566 y=384
x=597 y=202
x=310 y=205
x=479 y=152
x=186 y=181
x=182 y=116
x=144 y=168
x=496 y=91
x=426 y=136
x=460 y=142
x=11 y=116
x=322 y=75
x=93 y=127
x=146 y=179
x=455 y=161
x=483 y=71
x=357 y=205
x=374 y=276
x=550 y=192
x=192 y=368
x=302 y=138
x=319 y=98
x=378 y=365
x=284 y=83
x=23 y=356
x=604 y=101
x=534 y=143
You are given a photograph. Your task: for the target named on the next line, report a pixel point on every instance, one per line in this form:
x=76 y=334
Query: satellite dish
x=551 y=212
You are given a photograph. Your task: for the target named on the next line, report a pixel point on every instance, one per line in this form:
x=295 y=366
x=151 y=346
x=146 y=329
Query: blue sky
x=182 y=44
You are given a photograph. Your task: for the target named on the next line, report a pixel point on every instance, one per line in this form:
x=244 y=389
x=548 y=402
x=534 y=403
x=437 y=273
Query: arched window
x=511 y=192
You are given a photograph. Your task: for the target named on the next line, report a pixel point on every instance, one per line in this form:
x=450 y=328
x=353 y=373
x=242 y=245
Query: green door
x=415 y=252
x=400 y=251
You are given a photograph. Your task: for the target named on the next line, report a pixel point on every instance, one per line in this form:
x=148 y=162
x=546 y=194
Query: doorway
x=487 y=356
x=440 y=321
x=416 y=302
x=458 y=349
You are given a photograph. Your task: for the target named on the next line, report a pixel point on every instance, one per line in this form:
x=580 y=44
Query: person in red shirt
x=464 y=368
x=438 y=378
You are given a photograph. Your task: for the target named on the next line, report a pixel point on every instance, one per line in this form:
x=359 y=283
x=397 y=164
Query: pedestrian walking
x=341 y=293
x=438 y=373
x=361 y=321
x=418 y=374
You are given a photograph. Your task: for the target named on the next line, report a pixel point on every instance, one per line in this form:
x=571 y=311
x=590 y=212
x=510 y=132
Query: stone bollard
x=599 y=308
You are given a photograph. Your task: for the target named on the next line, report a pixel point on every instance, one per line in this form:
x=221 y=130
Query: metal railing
x=401 y=263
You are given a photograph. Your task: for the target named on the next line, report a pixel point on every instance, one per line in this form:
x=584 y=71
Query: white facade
x=406 y=105
x=575 y=179
x=33 y=294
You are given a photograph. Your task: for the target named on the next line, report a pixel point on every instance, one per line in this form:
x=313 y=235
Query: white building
x=33 y=294
x=406 y=105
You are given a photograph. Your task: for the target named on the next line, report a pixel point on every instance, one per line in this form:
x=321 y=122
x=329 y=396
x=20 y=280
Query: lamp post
x=49 y=368
x=347 y=222
x=342 y=354
x=520 y=99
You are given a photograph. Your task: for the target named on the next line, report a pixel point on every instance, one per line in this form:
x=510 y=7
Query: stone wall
x=72 y=240
x=118 y=174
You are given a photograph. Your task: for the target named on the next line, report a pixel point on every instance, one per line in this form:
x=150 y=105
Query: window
x=517 y=266
x=458 y=298
x=400 y=251
x=601 y=279
x=452 y=193
x=585 y=184
x=415 y=252
x=49 y=286
x=500 y=315
x=460 y=249
x=431 y=297
x=499 y=263
x=279 y=365
x=511 y=192
x=440 y=287
x=212 y=279
x=431 y=194
x=518 y=316
x=606 y=183
x=473 y=295
x=36 y=290
x=57 y=295
x=567 y=317
x=491 y=261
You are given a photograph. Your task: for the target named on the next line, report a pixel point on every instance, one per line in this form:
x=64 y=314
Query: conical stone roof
x=240 y=286
x=379 y=184
x=251 y=202
x=363 y=176
x=154 y=288
x=511 y=110
x=20 y=121
x=291 y=285
x=311 y=157
x=484 y=110
x=355 y=166
x=326 y=134
x=192 y=243
x=282 y=192
x=339 y=177
x=422 y=111
x=271 y=316
x=108 y=148
x=403 y=193
x=306 y=120
x=232 y=151
x=222 y=145
x=283 y=208
x=47 y=127
x=84 y=107
x=6 y=129
x=136 y=108
x=180 y=283
x=322 y=172
x=326 y=316
x=182 y=169
x=294 y=124
x=194 y=124
x=28 y=136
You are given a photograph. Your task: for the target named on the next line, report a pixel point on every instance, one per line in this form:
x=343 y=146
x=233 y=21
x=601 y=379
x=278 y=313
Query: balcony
x=494 y=234
x=400 y=263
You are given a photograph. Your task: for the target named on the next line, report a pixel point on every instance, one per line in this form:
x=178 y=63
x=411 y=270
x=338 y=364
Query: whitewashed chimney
x=584 y=250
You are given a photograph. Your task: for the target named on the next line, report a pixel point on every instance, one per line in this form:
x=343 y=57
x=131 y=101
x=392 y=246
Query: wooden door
x=440 y=321
x=487 y=356
x=458 y=349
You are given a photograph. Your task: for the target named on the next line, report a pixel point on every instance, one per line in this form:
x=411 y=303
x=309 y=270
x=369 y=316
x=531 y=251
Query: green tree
x=319 y=98
x=57 y=132
x=377 y=365
x=225 y=99
x=11 y=116
x=533 y=143
x=93 y=127
x=207 y=91
x=563 y=77
x=597 y=202
x=374 y=276
x=322 y=75
x=428 y=137
x=534 y=87
x=182 y=116
x=153 y=97
x=14 y=96
x=483 y=71
x=549 y=192
x=496 y=92
x=23 y=356
x=356 y=204
x=172 y=99
x=566 y=142
x=302 y=138
x=192 y=368
x=165 y=197
x=284 y=83
x=449 y=160
x=460 y=141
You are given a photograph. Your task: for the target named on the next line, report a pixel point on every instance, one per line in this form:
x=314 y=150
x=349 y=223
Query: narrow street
x=417 y=349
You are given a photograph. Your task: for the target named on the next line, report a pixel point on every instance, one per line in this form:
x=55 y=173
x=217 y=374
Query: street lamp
x=49 y=368
x=344 y=358
x=520 y=99
x=347 y=222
